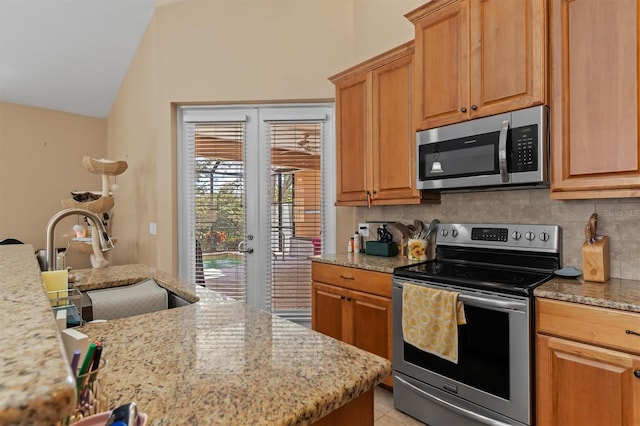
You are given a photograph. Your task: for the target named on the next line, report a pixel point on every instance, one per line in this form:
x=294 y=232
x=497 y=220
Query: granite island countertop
x=36 y=383
x=216 y=361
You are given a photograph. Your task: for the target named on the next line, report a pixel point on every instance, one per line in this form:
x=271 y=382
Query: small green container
x=378 y=248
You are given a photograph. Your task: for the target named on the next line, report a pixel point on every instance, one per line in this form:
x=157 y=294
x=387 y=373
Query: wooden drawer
x=352 y=278
x=589 y=324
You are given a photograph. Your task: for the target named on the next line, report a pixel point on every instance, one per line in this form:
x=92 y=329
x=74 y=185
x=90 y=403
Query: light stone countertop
x=36 y=384
x=364 y=261
x=615 y=294
x=216 y=361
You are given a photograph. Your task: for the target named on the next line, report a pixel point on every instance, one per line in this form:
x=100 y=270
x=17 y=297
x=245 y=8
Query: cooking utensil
x=404 y=229
x=419 y=227
x=432 y=227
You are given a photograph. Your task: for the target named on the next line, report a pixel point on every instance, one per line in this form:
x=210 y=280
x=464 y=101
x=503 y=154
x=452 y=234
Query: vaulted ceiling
x=68 y=55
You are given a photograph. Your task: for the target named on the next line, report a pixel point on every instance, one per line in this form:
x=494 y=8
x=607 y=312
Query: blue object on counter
x=568 y=272
x=124 y=415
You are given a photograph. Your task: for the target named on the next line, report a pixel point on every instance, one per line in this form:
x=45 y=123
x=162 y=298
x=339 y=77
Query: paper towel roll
x=126 y=301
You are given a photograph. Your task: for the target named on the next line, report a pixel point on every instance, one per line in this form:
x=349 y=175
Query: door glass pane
x=295 y=213
x=219 y=206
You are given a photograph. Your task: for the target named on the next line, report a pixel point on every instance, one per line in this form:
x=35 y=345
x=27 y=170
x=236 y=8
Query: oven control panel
x=490 y=234
x=507 y=236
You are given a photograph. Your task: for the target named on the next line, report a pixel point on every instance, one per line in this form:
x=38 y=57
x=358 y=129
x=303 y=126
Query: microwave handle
x=502 y=151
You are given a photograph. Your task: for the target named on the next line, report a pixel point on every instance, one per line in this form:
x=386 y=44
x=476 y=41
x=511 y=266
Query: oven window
x=483 y=353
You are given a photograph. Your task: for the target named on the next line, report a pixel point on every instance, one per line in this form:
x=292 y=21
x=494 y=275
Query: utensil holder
x=417 y=249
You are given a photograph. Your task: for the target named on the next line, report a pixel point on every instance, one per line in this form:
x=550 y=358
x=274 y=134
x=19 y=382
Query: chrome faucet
x=105 y=241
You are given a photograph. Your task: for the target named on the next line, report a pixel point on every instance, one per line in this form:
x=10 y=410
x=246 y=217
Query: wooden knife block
x=595 y=261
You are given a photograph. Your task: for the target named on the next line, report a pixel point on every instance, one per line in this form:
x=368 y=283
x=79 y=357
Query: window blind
x=295 y=213
x=272 y=161
x=219 y=205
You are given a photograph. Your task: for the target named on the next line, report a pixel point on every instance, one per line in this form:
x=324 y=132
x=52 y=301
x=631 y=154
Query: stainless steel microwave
x=503 y=150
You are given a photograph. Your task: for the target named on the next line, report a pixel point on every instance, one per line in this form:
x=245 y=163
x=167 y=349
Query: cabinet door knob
x=349 y=300
x=343 y=297
x=474 y=107
x=463 y=109
x=637 y=373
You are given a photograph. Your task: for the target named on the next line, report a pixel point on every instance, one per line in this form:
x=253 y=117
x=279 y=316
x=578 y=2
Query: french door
x=253 y=205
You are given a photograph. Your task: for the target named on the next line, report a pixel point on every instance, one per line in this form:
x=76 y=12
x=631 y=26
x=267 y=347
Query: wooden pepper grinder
x=595 y=253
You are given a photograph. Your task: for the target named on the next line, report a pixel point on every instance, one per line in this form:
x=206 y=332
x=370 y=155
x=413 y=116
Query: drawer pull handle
x=347 y=278
x=637 y=373
x=635 y=333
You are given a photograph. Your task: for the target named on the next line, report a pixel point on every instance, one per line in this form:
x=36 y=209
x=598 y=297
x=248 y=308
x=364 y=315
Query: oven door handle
x=462 y=411
x=483 y=302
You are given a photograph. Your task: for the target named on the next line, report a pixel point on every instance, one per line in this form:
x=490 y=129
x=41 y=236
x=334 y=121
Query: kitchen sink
x=173 y=301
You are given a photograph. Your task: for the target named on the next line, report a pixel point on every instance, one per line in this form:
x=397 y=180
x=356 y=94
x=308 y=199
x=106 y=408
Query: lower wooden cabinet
x=588 y=365
x=354 y=306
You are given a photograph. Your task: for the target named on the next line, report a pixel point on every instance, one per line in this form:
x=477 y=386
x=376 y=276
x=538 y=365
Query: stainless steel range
x=494 y=269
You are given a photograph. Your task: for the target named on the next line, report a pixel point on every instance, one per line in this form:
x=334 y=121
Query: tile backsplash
x=619 y=219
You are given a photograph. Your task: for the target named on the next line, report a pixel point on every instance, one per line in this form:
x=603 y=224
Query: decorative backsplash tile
x=618 y=218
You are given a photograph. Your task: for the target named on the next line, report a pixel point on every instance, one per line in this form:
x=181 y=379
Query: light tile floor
x=384 y=413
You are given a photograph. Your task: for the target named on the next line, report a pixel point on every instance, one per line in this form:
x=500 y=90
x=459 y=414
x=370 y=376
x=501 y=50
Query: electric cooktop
x=502 y=280
x=503 y=258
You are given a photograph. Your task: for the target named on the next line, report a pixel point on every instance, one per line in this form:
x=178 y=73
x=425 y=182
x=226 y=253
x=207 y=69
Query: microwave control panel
x=524 y=149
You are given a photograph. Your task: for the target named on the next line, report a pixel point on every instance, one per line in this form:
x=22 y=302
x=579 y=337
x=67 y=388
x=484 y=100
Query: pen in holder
x=92 y=393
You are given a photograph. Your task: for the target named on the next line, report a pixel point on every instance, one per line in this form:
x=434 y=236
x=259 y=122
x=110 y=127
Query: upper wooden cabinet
x=375 y=139
x=475 y=58
x=353 y=112
x=594 y=105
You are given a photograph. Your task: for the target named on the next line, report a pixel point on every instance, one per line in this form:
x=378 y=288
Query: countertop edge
x=364 y=261
x=36 y=390
x=619 y=294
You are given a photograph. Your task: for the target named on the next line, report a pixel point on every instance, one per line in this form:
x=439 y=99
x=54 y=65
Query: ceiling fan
x=305 y=143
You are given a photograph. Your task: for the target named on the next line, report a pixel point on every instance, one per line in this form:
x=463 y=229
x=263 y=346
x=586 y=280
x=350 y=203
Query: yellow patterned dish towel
x=430 y=319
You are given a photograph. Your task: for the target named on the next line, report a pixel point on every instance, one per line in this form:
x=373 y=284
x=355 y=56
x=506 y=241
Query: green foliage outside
x=220 y=212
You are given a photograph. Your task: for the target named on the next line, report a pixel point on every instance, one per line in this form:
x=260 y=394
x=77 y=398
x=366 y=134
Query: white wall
x=226 y=51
